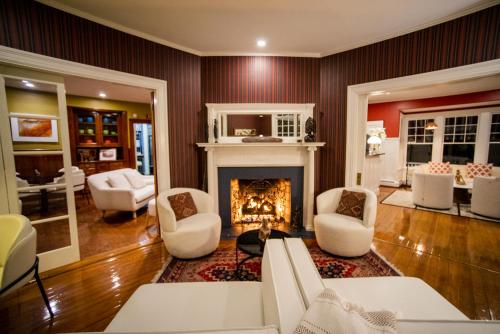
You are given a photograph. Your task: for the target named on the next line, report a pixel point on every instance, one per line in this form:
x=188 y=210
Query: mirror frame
x=217 y=114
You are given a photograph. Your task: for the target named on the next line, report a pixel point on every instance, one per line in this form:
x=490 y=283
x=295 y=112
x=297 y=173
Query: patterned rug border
x=383 y=258
x=380 y=260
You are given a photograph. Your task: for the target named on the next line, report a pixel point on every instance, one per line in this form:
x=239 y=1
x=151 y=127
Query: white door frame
x=357 y=106
x=39 y=62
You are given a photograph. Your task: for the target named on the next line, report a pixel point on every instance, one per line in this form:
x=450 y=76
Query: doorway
x=141 y=145
x=45 y=65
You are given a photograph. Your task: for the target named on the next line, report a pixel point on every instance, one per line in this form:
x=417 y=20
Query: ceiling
x=445 y=89
x=91 y=88
x=310 y=28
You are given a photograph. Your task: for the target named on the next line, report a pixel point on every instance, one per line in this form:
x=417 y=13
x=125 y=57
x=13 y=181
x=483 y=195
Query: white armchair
x=194 y=236
x=486 y=196
x=432 y=190
x=344 y=235
x=125 y=198
x=18 y=260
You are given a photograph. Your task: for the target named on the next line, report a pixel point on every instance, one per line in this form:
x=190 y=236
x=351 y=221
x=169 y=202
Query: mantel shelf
x=219 y=145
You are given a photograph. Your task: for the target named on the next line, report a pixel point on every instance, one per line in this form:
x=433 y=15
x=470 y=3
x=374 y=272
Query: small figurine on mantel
x=459 y=179
x=310 y=130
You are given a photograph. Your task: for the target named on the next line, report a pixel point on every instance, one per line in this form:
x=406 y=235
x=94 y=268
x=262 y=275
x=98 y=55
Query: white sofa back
x=282 y=300
x=100 y=180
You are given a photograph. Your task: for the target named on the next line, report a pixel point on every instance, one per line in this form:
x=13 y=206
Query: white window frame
x=482 y=142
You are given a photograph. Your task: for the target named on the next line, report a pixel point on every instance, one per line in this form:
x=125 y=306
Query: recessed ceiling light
x=261 y=43
x=24 y=81
x=102 y=94
x=29 y=84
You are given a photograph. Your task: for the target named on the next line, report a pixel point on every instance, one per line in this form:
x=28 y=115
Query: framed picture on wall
x=107 y=154
x=34 y=128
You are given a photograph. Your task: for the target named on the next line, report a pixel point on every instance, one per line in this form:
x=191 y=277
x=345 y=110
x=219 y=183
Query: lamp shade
x=431 y=125
x=374 y=140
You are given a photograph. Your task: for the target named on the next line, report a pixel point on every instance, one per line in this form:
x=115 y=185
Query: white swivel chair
x=486 y=196
x=18 y=260
x=344 y=235
x=194 y=236
x=432 y=190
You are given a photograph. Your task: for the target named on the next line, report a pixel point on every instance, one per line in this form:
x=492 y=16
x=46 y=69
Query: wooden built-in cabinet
x=93 y=131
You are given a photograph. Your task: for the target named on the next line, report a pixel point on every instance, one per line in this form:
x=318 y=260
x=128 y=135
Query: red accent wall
x=470 y=39
x=389 y=112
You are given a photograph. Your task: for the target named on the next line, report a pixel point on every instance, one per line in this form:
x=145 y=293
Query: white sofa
x=486 y=196
x=259 y=307
x=194 y=236
x=290 y=282
x=344 y=235
x=432 y=190
x=123 y=199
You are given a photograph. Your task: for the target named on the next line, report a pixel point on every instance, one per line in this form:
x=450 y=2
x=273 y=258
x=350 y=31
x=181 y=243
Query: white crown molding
x=451 y=107
x=469 y=10
x=56 y=4
x=117 y=26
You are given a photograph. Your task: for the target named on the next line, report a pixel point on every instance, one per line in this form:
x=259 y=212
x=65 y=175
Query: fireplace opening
x=254 y=200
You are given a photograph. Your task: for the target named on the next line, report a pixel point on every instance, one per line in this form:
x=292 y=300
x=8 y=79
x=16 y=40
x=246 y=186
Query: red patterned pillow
x=352 y=203
x=472 y=170
x=439 y=167
x=183 y=205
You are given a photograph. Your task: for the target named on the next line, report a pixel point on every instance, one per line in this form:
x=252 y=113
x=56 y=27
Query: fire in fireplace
x=254 y=200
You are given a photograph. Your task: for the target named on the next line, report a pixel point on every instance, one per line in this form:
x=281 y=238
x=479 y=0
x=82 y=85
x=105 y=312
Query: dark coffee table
x=248 y=242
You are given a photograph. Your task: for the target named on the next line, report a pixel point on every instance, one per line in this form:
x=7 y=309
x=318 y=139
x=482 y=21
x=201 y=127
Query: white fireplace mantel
x=264 y=155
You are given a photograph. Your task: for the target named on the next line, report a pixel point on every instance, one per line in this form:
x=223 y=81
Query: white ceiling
x=291 y=27
x=91 y=88
x=446 y=89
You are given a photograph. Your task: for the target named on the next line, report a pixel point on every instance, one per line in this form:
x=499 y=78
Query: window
x=459 y=139
x=288 y=125
x=494 y=146
x=419 y=148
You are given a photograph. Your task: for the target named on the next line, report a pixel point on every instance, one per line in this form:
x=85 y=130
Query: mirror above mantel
x=230 y=123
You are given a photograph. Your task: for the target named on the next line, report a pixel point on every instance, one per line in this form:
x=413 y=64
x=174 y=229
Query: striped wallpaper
x=34 y=27
x=466 y=40
x=194 y=81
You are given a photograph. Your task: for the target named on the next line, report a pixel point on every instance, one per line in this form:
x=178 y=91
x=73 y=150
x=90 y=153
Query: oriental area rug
x=221 y=266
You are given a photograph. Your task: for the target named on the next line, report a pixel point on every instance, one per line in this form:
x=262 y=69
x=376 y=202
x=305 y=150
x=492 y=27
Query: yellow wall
x=31 y=102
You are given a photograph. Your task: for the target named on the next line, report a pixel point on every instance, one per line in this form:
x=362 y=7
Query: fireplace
x=255 y=200
x=249 y=194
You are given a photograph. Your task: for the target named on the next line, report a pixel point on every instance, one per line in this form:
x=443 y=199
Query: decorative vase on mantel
x=310 y=130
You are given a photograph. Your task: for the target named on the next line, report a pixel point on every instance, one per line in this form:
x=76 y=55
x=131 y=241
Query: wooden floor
x=96 y=234
x=459 y=257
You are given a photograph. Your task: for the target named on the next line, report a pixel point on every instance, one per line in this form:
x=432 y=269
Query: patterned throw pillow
x=331 y=314
x=439 y=167
x=472 y=170
x=352 y=203
x=183 y=205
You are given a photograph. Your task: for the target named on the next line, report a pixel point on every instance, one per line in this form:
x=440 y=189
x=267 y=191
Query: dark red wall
x=34 y=27
x=470 y=39
x=389 y=112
